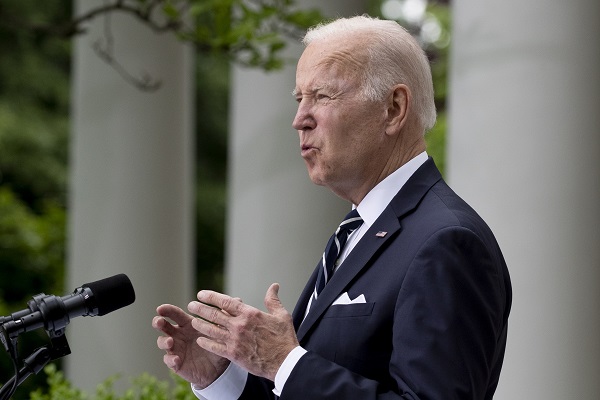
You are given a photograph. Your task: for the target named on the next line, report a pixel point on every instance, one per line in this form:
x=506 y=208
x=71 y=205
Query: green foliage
x=439 y=53
x=33 y=154
x=33 y=151
x=212 y=77
x=31 y=262
x=34 y=104
x=58 y=387
x=436 y=141
x=251 y=32
x=31 y=248
x=143 y=387
x=34 y=66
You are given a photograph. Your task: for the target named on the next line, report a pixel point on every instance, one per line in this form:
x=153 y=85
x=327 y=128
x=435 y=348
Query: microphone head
x=112 y=293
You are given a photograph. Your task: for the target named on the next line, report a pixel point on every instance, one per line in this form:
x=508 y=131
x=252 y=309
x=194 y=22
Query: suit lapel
x=389 y=221
x=302 y=302
x=353 y=264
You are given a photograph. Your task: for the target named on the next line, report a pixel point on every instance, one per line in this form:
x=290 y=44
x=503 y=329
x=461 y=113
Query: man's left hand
x=257 y=341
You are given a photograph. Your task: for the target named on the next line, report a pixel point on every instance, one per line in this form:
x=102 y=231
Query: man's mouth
x=305 y=149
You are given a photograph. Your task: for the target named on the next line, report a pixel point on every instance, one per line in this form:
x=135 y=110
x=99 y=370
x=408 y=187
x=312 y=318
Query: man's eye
x=322 y=96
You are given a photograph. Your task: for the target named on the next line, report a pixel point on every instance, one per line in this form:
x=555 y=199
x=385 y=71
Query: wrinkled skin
x=257 y=341
x=200 y=349
x=183 y=356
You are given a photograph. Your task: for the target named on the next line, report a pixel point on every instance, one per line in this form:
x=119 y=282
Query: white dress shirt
x=230 y=384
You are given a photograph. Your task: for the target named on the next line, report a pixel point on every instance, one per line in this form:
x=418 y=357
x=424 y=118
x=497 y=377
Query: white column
x=524 y=150
x=278 y=220
x=131 y=193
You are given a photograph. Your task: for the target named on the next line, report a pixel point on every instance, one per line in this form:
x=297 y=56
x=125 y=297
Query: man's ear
x=398 y=104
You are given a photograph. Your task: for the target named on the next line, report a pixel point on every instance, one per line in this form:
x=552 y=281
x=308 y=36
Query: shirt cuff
x=229 y=385
x=284 y=371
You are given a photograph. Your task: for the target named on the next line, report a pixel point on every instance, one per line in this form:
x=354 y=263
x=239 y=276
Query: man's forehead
x=333 y=50
x=317 y=65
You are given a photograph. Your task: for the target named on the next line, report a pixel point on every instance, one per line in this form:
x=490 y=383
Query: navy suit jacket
x=434 y=324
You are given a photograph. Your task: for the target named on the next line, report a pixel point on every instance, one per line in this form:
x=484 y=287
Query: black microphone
x=54 y=313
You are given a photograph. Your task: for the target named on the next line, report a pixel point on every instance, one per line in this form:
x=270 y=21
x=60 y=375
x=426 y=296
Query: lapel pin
x=381 y=234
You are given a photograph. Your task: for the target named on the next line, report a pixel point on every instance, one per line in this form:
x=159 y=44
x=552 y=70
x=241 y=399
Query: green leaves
x=58 y=387
x=142 y=387
x=252 y=33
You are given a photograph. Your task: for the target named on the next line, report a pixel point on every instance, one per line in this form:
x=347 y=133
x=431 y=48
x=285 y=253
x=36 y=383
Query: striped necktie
x=334 y=248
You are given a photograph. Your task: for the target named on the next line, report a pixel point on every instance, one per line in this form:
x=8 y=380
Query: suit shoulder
x=441 y=207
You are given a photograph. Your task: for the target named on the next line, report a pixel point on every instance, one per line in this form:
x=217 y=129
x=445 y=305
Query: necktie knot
x=350 y=223
x=334 y=248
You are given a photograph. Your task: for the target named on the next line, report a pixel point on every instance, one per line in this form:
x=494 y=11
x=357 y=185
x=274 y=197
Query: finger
x=213 y=346
x=163 y=326
x=174 y=313
x=232 y=306
x=172 y=361
x=165 y=343
x=158 y=323
x=210 y=330
x=209 y=313
x=272 y=301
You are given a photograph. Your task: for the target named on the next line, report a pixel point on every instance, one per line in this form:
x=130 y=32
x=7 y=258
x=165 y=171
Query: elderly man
x=411 y=297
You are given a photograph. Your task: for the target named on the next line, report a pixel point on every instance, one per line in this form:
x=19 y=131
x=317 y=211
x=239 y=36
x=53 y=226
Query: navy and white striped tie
x=334 y=248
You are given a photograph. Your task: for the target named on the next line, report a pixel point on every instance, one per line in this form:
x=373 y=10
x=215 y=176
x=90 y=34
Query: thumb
x=272 y=301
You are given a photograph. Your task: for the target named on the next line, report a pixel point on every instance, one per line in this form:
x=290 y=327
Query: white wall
x=131 y=193
x=524 y=150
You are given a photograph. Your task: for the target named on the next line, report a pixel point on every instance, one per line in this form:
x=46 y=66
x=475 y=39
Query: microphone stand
x=59 y=347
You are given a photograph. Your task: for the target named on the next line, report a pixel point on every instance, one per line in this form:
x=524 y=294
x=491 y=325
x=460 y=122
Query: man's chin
x=316 y=178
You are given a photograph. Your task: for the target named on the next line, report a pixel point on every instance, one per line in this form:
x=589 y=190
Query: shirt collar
x=371 y=207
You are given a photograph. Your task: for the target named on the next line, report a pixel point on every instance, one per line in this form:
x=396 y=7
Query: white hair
x=393 y=57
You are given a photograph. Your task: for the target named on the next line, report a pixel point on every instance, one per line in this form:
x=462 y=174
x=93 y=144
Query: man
x=416 y=304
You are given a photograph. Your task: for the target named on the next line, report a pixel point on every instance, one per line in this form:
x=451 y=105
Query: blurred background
x=154 y=138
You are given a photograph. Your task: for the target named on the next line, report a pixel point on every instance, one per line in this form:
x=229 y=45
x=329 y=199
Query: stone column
x=278 y=220
x=524 y=150
x=132 y=188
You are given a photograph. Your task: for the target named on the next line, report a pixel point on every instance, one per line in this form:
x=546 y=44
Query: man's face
x=342 y=135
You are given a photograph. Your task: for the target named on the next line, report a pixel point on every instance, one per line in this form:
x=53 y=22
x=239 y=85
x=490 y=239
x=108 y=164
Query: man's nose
x=304 y=119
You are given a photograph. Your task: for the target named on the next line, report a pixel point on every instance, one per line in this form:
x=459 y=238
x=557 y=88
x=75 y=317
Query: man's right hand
x=184 y=356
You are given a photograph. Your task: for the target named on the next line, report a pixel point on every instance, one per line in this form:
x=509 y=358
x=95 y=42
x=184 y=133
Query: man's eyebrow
x=297 y=92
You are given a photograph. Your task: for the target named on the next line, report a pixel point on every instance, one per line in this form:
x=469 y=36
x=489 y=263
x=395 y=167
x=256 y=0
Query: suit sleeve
x=448 y=319
x=257 y=389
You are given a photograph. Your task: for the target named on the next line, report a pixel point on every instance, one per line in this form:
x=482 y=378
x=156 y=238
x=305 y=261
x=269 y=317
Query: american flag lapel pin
x=381 y=234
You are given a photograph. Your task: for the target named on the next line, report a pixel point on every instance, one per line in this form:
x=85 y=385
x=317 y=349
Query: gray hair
x=394 y=57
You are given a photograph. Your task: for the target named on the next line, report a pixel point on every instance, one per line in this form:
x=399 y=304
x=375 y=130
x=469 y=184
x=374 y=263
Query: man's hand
x=257 y=341
x=184 y=357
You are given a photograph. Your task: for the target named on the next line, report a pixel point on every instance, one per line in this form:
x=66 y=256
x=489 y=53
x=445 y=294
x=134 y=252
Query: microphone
x=54 y=313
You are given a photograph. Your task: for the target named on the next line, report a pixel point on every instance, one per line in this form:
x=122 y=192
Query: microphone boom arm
x=59 y=347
